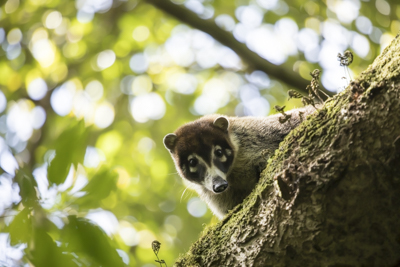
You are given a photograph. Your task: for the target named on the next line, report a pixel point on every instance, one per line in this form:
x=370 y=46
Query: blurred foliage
x=89 y=88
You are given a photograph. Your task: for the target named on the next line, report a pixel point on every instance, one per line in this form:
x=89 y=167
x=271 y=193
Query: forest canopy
x=89 y=88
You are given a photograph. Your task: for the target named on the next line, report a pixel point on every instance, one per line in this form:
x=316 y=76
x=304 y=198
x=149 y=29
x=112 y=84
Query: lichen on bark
x=330 y=195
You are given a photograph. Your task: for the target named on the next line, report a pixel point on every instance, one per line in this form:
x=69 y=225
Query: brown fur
x=252 y=139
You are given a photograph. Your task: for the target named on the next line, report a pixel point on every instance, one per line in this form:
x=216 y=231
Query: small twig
x=345 y=60
x=314 y=87
x=285 y=117
x=155 y=245
x=294 y=94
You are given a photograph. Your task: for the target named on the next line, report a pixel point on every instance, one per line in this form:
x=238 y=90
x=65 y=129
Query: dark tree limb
x=254 y=61
x=330 y=196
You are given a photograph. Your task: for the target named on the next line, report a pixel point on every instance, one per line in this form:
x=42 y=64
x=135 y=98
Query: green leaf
x=20 y=228
x=27 y=187
x=70 y=149
x=98 y=188
x=2 y=2
x=85 y=237
x=45 y=252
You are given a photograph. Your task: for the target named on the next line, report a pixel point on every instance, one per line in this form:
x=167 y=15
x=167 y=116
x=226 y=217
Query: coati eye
x=193 y=162
x=218 y=153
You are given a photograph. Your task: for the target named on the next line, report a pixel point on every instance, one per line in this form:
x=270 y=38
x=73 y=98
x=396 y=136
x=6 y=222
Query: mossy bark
x=330 y=196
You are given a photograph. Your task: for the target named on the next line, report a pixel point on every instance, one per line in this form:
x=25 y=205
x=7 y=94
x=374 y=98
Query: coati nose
x=219 y=185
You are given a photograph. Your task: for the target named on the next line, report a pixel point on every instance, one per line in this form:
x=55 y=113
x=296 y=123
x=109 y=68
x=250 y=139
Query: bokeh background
x=89 y=88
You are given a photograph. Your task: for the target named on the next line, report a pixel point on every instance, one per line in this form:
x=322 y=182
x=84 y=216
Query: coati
x=222 y=157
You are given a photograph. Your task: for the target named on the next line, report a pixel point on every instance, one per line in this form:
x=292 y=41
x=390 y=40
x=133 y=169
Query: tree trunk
x=330 y=196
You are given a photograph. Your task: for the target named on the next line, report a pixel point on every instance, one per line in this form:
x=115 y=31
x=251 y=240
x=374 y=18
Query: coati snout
x=222 y=157
x=219 y=185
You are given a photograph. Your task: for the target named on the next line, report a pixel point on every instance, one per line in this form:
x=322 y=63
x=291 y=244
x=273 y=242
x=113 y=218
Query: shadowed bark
x=330 y=196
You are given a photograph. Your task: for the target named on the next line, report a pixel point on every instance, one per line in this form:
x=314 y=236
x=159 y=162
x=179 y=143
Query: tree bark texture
x=330 y=196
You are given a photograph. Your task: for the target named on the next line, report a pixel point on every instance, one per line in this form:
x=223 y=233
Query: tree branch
x=291 y=78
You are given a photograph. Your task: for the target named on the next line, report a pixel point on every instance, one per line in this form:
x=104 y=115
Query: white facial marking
x=223 y=158
x=192 y=169
x=211 y=173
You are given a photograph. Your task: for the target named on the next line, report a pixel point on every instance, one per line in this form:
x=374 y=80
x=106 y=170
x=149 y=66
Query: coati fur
x=221 y=157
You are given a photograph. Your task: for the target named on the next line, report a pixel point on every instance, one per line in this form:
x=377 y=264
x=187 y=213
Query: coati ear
x=222 y=123
x=169 y=141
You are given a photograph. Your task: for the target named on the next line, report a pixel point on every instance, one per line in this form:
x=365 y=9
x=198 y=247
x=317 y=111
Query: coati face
x=202 y=152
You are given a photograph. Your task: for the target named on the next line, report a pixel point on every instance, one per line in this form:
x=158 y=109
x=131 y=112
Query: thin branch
x=254 y=61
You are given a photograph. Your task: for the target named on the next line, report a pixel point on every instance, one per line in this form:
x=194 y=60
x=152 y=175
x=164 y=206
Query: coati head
x=202 y=152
